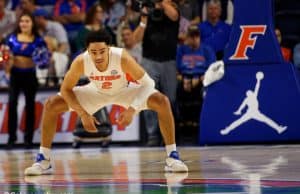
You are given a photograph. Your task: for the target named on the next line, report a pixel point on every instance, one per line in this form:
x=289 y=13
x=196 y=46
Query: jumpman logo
x=253 y=111
x=252 y=175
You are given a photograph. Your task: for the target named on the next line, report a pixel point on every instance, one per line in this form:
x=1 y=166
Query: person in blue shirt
x=193 y=59
x=214 y=31
x=71 y=14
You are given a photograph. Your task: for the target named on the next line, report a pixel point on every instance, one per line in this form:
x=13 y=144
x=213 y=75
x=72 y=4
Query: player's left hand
x=125 y=117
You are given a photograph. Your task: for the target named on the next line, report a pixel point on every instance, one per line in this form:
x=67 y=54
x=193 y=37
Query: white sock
x=46 y=152
x=170 y=148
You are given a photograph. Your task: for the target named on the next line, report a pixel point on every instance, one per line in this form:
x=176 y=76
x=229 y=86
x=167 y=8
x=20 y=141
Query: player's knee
x=158 y=101
x=51 y=104
x=48 y=103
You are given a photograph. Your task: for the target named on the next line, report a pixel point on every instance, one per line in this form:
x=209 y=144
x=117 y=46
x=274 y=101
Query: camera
x=154 y=13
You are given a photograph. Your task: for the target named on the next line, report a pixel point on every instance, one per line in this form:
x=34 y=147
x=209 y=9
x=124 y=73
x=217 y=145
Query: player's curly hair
x=98 y=36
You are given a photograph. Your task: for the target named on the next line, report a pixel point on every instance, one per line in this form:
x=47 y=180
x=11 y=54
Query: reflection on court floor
x=213 y=170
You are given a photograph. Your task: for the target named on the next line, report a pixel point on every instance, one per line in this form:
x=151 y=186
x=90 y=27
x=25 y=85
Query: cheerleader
x=28 y=52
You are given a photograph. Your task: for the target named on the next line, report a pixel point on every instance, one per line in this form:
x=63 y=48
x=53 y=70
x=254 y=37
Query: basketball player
x=107 y=69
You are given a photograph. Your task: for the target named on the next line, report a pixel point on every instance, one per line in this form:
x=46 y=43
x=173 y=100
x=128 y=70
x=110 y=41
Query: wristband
x=143 y=25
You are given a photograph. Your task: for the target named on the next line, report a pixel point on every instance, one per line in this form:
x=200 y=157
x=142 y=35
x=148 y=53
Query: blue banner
x=258 y=99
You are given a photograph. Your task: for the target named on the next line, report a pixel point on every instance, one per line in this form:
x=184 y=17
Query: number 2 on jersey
x=106 y=85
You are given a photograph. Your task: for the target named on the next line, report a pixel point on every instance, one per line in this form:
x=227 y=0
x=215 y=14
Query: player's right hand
x=88 y=122
x=126 y=117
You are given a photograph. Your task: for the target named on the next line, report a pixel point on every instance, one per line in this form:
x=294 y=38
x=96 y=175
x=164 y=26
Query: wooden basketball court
x=128 y=170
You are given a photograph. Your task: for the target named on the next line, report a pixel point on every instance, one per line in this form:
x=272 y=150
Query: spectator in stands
x=189 y=15
x=214 y=31
x=7 y=20
x=131 y=19
x=48 y=28
x=93 y=22
x=159 y=34
x=4 y=65
x=192 y=59
x=12 y=4
x=25 y=5
x=183 y=26
x=29 y=50
x=58 y=63
x=130 y=44
x=7 y=25
x=70 y=13
x=47 y=5
x=226 y=6
x=189 y=9
x=114 y=10
x=90 y=3
x=286 y=52
x=53 y=29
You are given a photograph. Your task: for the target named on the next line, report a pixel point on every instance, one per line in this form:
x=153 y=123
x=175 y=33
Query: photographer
x=158 y=30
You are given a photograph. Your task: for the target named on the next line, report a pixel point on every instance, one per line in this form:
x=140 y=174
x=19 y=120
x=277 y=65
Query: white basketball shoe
x=174 y=164
x=40 y=167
